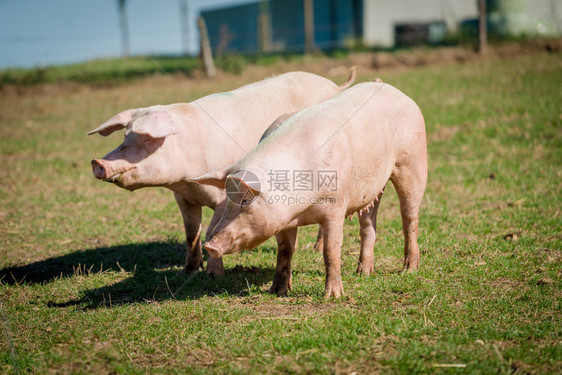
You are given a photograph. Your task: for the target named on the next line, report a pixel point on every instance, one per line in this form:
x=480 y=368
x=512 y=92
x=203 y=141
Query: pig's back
x=308 y=87
x=235 y=120
x=363 y=117
x=369 y=108
x=266 y=100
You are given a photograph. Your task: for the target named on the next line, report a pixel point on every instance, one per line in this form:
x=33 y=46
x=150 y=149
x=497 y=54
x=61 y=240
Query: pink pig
x=350 y=146
x=167 y=145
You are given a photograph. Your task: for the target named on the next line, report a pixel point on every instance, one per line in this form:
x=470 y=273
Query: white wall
x=546 y=11
x=380 y=16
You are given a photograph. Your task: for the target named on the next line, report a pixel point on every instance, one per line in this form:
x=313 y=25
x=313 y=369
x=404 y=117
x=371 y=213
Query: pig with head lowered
x=348 y=147
x=168 y=145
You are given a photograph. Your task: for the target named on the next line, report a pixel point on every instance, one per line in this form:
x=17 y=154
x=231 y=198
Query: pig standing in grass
x=166 y=145
x=349 y=147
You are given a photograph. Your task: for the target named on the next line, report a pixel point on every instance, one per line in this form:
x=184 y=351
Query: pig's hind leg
x=286 y=244
x=191 y=215
x=319 y=245
x=368 y=233
x=409 y=181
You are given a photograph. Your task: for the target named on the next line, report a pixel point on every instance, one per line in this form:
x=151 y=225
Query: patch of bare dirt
x=199 y=357
x=552 y=255
x=507 y=283
x=443 y=133
x=545 y=281
x=288 y=312
x=520 y=367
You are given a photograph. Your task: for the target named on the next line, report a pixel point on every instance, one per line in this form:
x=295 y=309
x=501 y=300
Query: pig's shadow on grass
x=155 y=275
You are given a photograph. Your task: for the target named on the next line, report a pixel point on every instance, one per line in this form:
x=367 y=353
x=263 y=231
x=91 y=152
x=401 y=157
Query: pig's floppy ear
x=217 y=179
x=117 y=122
x=242 y=187
x=157 y=124
x=245 y=181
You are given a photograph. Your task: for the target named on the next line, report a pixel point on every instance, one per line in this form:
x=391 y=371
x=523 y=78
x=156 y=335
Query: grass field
x=91 y=274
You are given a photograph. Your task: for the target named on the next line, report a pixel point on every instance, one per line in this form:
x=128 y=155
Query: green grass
x=106 y=71
x=92 y=277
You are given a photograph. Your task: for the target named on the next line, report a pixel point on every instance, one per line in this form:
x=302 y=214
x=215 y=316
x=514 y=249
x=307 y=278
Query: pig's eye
x=147 y=140
x=247 y=201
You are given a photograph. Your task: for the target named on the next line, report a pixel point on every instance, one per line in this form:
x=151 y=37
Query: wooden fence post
x=124 y=26
x=206 y=53
x=264 y=28
x=308 y=25
x=482 y=32
x=184 y=26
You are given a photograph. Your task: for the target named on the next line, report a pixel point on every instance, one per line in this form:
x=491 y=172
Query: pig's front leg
x=333 y=239
x=215 y=266
x=286 y=244
x=191 y=215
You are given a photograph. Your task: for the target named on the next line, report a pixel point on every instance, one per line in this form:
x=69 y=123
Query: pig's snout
x=100 y=172
x=213 y=249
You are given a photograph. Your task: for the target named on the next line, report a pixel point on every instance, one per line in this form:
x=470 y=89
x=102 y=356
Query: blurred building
x=279 y=25
x=405 y=22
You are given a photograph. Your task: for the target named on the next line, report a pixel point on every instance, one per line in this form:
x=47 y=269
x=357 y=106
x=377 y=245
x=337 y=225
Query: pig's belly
x=366 y=190
x=372 y=164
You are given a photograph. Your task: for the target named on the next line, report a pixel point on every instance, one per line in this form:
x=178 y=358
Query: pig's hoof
x=365 y=269
x=333 y=290
x=319 y=246
x=408 y=270
x=215 y=267
x=280 y=288
x=192 y=268
x=214 y=272
x=411 y=265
